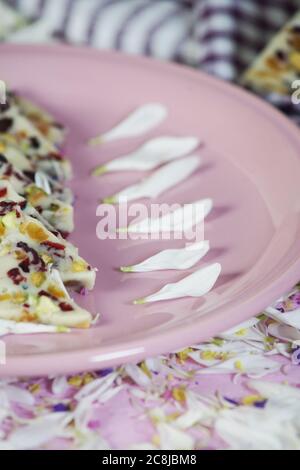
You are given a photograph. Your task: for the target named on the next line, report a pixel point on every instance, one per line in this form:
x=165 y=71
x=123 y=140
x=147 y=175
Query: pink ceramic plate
x=251 y=170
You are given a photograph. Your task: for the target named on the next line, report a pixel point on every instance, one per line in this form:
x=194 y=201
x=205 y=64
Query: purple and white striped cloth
x=221 y=37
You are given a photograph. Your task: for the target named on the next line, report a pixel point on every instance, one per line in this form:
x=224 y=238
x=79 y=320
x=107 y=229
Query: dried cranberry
x=56 y=246
x=9 y=170
x=34 y=142
x=16 y=276
x=46 y=294
x=6 y=207
x=55 y=156
x=29 y=174
x=35 y=259
x=20 y=177
x=22 y=204
x=24 y=265
x=4 y=107
x=65 y=307
x=3 y=192
x=5 y=124
x=65 y=235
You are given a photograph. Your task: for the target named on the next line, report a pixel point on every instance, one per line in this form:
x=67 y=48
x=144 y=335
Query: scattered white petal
x=60 y=385
x=152 y=154
x=196 y=284
x=40 y=431
x=254 y=365
x=171 y=438
x=285 y=333
x=244 y=331
x=142 y=120
x=181 y=220
x=137 y=375
x=180 y=258
x=291 y=318
x=167 y=177
x=212 y=354
x=19 y=395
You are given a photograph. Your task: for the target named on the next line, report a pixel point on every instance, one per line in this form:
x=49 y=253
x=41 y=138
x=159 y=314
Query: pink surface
x=251 y=170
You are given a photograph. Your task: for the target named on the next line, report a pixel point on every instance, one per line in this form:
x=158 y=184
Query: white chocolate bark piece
x=10 y=153
x=16 y=225
x=30 y=292
x=16 y=128
x=276 y=68
x=41 y=119
x=58 y=213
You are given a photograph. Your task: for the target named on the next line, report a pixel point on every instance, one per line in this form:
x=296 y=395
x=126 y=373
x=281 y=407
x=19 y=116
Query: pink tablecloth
x=241 y=390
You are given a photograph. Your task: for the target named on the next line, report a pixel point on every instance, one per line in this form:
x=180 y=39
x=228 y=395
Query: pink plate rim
x=137 y=350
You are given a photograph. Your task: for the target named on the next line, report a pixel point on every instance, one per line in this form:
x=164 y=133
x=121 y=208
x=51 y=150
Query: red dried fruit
x=9 y=170
x=65 y=307
x=5 y=124
x=3 y=192
x=34 y=258
x=16 y=276
x=54 y=245
x=24 y=265
x=6 y=207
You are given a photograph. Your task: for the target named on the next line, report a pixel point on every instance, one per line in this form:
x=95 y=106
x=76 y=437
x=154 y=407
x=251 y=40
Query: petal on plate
x=150 y=155
x=180 y=220
x=180 y=258
x=142 y=120
x=196 y=284
x=167 y=177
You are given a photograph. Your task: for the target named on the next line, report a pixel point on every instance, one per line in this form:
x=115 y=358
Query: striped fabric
x=221 y=37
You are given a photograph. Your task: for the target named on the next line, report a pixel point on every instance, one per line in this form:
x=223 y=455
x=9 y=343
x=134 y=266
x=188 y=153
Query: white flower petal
x=284 y=332
x=291 y=318
x=244 y=331
x=247 y=428
x=180 y=220
x=180 y=258
x=152 y=154
x=19 y=395
x=174 y=439
x=137 y=375
x=60 y=385
x=39 y=431
x=254 y=365
x=212 y=354
x=142 y=120
x=160 y=181
x=98 y=386
x=196 y=284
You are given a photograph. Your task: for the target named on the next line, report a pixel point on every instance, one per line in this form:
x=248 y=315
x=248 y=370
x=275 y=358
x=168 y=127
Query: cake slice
x=58 y=213
x=20 y=222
